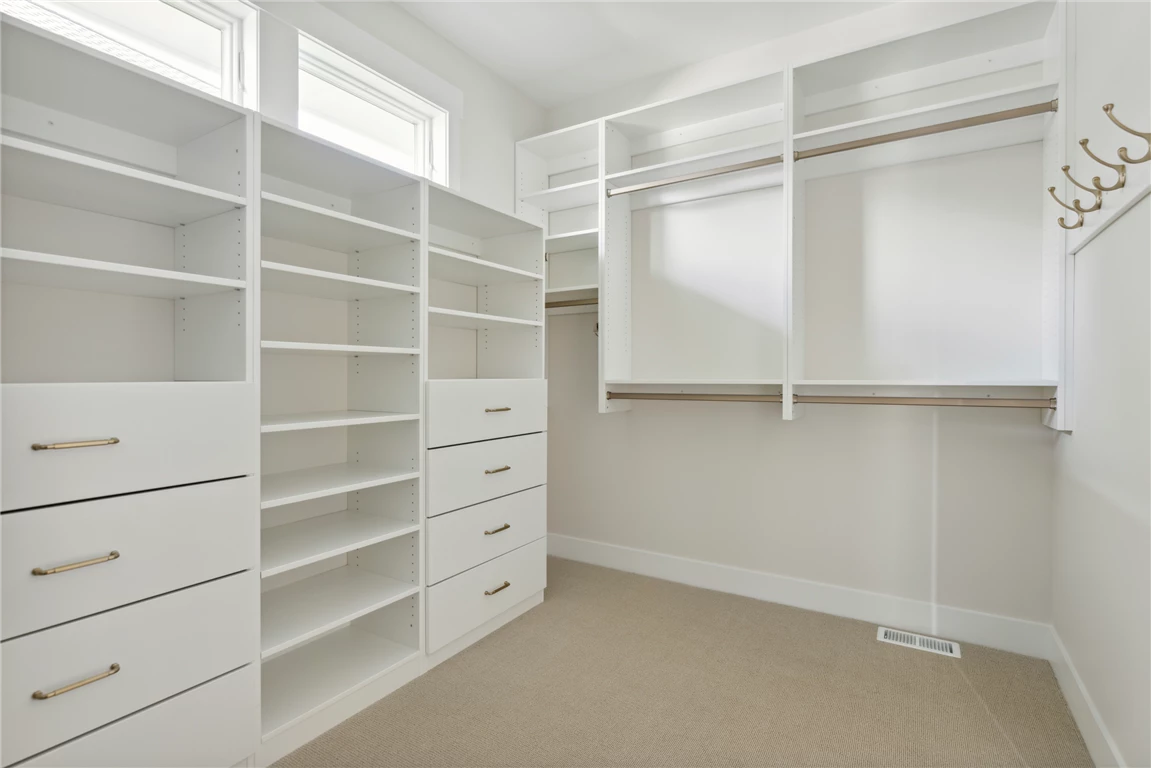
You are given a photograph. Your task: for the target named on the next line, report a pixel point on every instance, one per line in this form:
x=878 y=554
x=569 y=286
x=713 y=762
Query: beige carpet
x=615 y=669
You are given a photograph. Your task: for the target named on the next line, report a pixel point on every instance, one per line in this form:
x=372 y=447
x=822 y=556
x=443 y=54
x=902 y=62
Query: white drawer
x=163 y=646
x=164 y=540
x=467 y=537
x=215 y=725
x=464 y=602
x=468 y=474
x=169 y=434
x=466 y=410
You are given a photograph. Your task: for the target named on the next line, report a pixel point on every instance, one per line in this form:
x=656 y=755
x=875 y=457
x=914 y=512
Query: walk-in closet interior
x=613 y=384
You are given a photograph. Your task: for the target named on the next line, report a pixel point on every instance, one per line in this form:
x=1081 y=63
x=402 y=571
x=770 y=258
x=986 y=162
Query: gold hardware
x=1062 y=221
x=1119 y=169
x=113 y=555
x=503 y=527
x=1123 y=150
x=571 y=303
x=1075 y=203
x=78 y=444
x=504 y=468
x=964 y=402
x=497 y=410
x=40 y=695
x=500 y=588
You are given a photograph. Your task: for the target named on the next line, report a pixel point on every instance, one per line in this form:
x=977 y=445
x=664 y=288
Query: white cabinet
x=468 y=474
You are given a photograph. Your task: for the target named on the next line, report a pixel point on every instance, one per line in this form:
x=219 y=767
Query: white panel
x=466 y=411
x=467 y=537
x=468 y=474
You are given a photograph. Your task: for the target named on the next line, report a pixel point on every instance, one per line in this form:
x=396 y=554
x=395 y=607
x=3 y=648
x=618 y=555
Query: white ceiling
x=559 y=51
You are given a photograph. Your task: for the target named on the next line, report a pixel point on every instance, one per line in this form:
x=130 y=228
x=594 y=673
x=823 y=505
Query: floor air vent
x=919 y=642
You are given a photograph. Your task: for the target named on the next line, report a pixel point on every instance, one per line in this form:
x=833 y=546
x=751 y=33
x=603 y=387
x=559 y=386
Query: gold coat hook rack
x=1119 y=169
x=1123 y=155
x=1079 y=213
x=1075 y=203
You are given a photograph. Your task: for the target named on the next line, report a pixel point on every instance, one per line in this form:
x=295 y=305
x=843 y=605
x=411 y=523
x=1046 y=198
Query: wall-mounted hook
x=1075 y=203
x=1123 y=150
x=1119 y=169
x=1062 y=221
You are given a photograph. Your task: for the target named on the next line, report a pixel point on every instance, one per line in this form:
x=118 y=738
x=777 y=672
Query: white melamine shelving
x=308 y=608
x=565 y=142
x=73 y=180
x=452 y=318
x=77 y=274
x=299 y=684
x=567 y=196
x=341 y=350
x=577 y=240
x=694 y=382
x=286 y=547
x=317 y=482
x=287 y=278
x=454 y=267
x=555 y=293
x=1031 y=383
x=300 y=222
x=450 y=210
x=707 y=161
x=294 y=422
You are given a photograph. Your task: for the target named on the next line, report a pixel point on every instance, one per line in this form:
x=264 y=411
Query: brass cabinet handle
x=497 y=410
x=503 y=527
x=40 y=695
x=504 y=468
x=113 y=555
x=78 y=444
x=500 y=588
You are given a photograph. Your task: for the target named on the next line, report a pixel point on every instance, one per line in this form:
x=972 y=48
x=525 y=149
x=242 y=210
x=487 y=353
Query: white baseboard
x=1016 y=635
x=1104 y=751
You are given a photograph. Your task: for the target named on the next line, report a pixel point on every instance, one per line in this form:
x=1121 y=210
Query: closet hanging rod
x=571 y=303
x=776 y=160
x=955 y=402
x=928 y=130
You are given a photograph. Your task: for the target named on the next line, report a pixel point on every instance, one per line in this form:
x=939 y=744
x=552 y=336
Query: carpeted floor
x=615 y=669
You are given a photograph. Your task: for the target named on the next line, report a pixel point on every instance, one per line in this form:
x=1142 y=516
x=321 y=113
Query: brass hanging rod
x=776 y=160
x=956 y=402
x=571 y=303
x=928 y=130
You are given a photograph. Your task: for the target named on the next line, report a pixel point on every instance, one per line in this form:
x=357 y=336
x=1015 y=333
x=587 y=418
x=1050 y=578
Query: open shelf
x=564 y=142
x=454 y=318
x=310 y=607
x=455 y=267
x=56 y=176
x=910 y=383
x=299 y=684
x=317 y=482
x=286 y=219
x=562 y=198
x=340 y=350
x=448 y=209
x=294 y=422
x=286 y=278
x=580 y=240
x=31 y=268
x=295 y=545
x=699 y=382
x=555 y=293
x=698 y=163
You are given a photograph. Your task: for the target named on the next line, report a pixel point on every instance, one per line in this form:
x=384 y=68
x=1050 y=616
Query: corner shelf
x=562 y=198
x=286 y=547
x=455 y=267
x=286 y=278
x=77 y=274
x=343 y=350
x=317 y=482
x=308 y=608
x=454 y=318
x=294 y=422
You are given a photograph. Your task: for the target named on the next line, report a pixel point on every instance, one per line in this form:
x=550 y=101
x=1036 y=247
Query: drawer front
x=162 y=541
x=459 y=605
x=169 y=434
x=467 y=537
x=466 y=410
x=468 y=474
x=163 y=646
x=213 y=726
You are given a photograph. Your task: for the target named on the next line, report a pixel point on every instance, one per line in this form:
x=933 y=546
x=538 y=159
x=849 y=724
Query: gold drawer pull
x=78 y=444
x=497 y=410
x=504 y=468
x=500 y=588
x=113 y=555
x=503 y=527
x=40 y=695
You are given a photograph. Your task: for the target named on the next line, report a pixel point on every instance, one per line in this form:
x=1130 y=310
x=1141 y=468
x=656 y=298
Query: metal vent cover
x=918 y=642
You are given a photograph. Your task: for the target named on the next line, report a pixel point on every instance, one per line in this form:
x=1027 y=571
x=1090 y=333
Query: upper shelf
x=698 y=164
x=72 y=180
x=287 y=278
x=286 y=219
x=562 y=198
x=54 y=72
x=454 y=267
x=78 y=274
x=454 y=318
x=759 y=100
x=564 y=142
x=450 y=210
x=579 y=240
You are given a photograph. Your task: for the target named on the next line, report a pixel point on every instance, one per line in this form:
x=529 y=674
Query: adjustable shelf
x=452 y=318
x=701 y=164
x=300 y=222
x=301 y=683
x=294 y=422
x=317 y=482
x=340 y=350
x=562 y=198
x=574 y=140
x=60 y=177
x=306 y=609
x=454 y=267
x=286 y=547
x=78 y=274
x=452 y=211
x=1030 y=383
x=578 y=240
x=286 y=278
